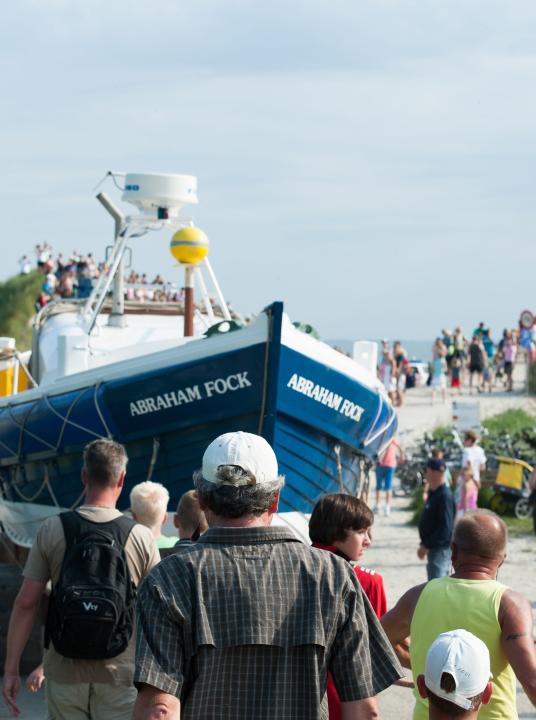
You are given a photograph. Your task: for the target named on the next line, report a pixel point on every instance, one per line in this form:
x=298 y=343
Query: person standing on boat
x=247 y=621
x=80 y=689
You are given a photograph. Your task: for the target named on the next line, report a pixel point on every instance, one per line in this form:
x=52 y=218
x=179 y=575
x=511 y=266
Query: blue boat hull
x=321 y=423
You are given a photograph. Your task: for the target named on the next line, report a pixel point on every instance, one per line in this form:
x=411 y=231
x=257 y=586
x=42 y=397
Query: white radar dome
x=163 y=195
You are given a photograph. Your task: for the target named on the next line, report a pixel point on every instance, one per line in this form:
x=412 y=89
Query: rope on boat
x=23 y=430
x=13 y=484
x=99 y=411
x=45 y=484
x=337 y=452
x=154 y=457
x=365 y=487
x=22 y=426
x=66 y=420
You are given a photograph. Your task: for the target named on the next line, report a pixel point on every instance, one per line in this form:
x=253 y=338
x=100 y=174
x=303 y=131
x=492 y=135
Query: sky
x=369 y=162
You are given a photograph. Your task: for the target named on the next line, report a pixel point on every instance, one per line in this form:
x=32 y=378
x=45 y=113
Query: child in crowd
x=342 y=524
x=468 y=491
x=455 y=372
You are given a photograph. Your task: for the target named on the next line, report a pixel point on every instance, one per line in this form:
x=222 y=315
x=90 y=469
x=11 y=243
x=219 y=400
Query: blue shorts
x=384 y=477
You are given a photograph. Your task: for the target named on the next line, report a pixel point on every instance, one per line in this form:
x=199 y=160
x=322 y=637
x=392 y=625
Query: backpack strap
x=75 y=525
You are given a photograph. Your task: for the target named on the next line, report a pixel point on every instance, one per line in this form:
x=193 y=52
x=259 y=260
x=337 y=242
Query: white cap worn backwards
x=245 y=450
x=466 y=658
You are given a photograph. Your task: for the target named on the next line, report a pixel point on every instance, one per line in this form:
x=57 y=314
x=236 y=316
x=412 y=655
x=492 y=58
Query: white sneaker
x=387 y=510
x=375 y=509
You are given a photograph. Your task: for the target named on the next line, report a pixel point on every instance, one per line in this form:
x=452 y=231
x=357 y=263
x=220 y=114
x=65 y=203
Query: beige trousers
x=89 y=701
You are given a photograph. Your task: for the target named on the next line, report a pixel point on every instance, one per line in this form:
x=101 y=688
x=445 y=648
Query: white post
x=204 y=294
x=219 y=294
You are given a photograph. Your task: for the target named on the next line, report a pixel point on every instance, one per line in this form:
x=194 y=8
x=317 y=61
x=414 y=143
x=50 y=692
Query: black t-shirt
x=437 y=520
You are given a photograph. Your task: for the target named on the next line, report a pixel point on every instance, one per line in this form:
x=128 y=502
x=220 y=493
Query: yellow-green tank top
x=448 y=604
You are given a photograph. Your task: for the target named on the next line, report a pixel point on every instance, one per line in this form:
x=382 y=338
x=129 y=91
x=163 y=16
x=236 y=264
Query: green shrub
x=17 y=307
x=510 y=421
x=485 y=494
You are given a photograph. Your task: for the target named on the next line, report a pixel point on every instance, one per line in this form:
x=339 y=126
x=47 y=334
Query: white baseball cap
x=250 y=452
x=464 y=656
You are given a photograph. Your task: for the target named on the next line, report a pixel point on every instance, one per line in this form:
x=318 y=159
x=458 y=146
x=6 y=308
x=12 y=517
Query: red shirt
x=372 y=584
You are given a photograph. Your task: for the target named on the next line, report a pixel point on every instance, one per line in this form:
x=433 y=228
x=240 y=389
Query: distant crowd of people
x=479 y=364
x=75 y=277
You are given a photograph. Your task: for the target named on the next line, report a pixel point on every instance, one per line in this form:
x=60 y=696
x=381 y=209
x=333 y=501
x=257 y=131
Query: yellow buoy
x=189 y=245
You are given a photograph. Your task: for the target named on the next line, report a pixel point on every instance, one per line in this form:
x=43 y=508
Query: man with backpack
x=95 y=558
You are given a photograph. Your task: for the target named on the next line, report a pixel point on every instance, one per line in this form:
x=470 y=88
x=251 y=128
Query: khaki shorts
x=89 y=701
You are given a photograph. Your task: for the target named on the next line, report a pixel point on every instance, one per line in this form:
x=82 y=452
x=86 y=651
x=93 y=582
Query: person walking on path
x=509 y=353
x=473 y=455
x=476 y=363
x=342 y=524
x=457 y=676
x=439 y=370
x=247 y=622
x=385 y=475
x=387 y=372
x=437 y=521
x=82 y=686
x=474 y=600
x=401 y=363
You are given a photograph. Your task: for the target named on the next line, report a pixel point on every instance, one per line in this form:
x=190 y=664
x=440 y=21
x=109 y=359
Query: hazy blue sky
x=372 y=163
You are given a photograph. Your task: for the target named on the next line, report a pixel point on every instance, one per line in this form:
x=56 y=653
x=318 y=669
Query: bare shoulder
x=410 y=598
x=513 y=603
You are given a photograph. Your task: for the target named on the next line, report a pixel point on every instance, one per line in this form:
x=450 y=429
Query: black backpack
x=91 y=609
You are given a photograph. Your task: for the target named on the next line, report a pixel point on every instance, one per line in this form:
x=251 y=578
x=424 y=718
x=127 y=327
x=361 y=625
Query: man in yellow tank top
x=473 y=600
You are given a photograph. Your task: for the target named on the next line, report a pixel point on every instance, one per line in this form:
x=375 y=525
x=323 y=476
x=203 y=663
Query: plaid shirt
x=247 y=622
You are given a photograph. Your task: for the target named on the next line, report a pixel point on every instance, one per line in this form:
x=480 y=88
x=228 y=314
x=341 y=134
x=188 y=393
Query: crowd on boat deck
x=75 y=277
x=477 y=365
x=240 y=619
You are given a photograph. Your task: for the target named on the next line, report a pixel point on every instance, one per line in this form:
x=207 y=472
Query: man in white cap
x=457 y=676
x=247 y=622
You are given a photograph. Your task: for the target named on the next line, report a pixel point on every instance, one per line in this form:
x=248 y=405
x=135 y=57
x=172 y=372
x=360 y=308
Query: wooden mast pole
x=189 y=301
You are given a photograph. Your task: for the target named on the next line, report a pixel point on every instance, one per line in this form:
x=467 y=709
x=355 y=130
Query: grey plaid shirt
x=247 y=622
